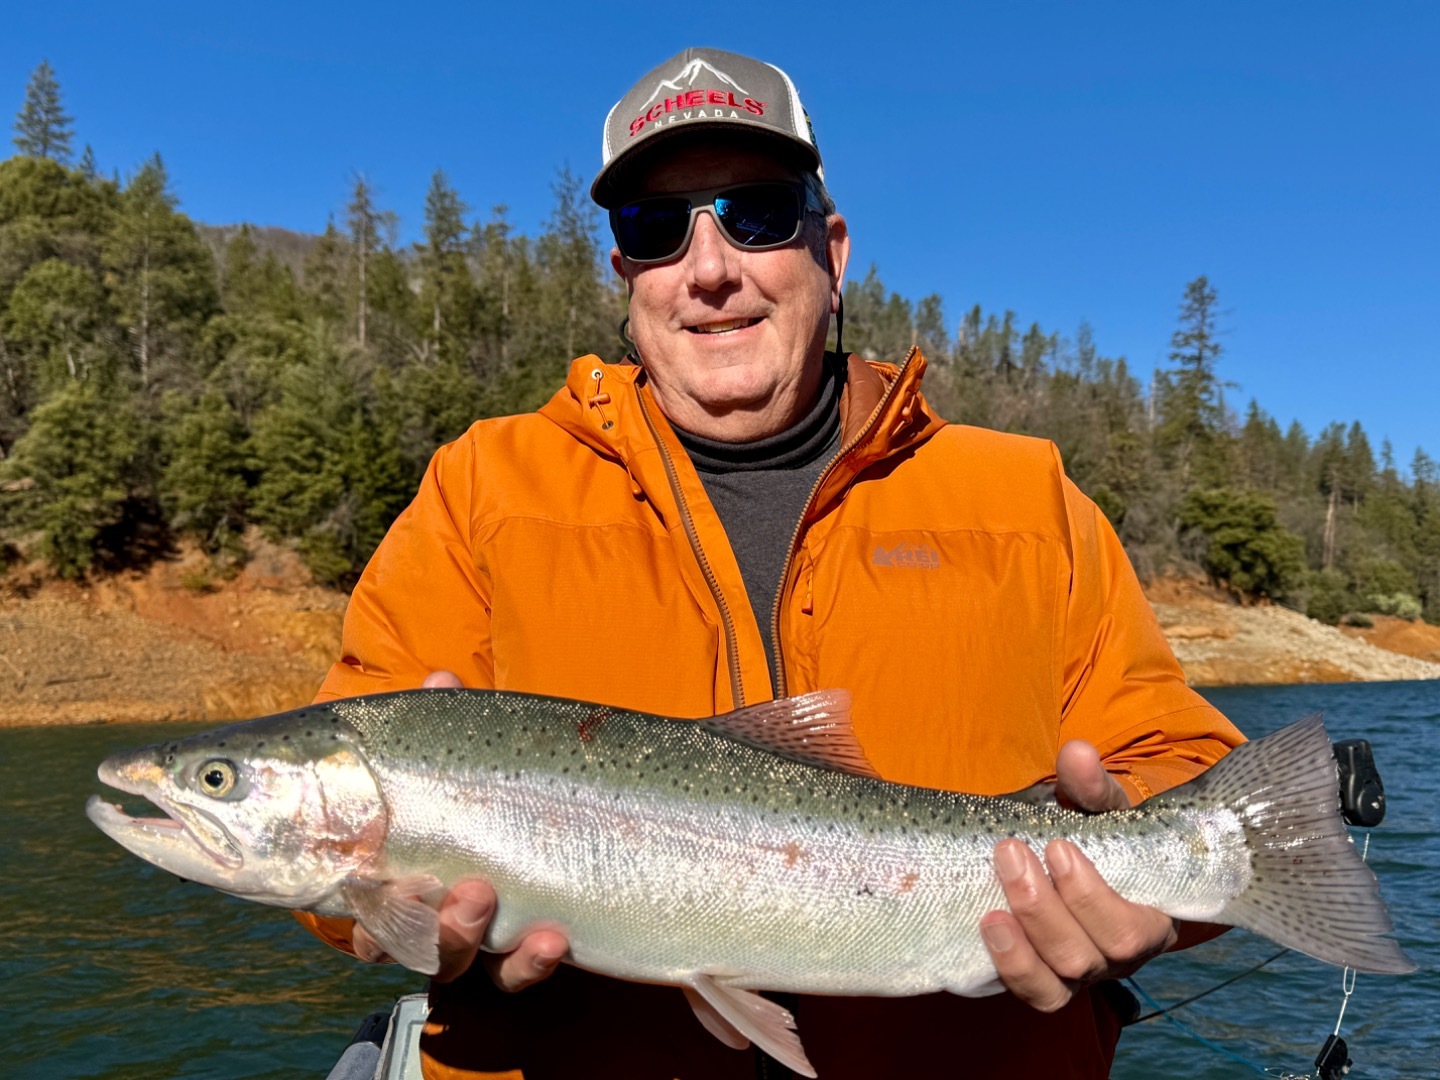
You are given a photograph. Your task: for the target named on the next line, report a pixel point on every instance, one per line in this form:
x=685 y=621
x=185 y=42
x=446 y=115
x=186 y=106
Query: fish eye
x=217 y=777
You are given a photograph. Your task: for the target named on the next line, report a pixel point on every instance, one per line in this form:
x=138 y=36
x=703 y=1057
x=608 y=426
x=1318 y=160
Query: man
x=734 y=514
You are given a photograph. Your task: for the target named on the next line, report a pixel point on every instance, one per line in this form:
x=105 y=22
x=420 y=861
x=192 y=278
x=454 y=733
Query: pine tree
x=73 y=468
x=364 y=221
x=446 y=280
x=204 y=485
x=1191 y=417
x=42 y=128
x=161 y=276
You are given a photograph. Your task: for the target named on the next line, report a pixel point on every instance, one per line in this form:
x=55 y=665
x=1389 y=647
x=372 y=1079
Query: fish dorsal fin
x=407 y=928
x=767 y=1025
x=813 y=728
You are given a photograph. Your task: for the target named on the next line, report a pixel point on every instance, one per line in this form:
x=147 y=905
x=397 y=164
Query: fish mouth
x=185 y=841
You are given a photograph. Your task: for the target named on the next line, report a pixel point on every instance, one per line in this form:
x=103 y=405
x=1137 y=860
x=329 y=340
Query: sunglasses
x=753 y=217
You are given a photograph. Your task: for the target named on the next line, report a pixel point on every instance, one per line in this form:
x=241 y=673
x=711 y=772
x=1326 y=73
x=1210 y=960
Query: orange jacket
x=978 y=607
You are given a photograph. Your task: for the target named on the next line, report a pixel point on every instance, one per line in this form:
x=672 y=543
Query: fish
x=753 y=851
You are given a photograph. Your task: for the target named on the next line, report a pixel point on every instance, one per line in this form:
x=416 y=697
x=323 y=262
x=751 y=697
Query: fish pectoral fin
x=406 y=928
x=767 y=1025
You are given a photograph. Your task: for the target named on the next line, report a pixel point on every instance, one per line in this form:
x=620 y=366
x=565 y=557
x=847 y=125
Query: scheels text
x=694 y=99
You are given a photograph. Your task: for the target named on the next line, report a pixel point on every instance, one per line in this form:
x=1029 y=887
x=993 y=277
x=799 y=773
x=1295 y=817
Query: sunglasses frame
x=703 y=200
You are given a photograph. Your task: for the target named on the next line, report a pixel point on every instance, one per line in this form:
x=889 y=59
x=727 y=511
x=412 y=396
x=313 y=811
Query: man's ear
x=837 y=256
x=617 y=263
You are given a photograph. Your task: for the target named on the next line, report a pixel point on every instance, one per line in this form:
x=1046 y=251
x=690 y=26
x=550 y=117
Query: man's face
x=732 y=339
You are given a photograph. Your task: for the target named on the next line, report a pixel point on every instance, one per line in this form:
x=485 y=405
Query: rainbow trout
x=752 y=851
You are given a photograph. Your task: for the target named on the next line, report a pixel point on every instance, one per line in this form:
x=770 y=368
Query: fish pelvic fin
x=1309 y=888
x=769 y=1026
x=813 y=728
x=406 y=927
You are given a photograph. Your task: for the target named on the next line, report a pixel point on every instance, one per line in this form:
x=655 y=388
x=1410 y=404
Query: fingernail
x=1057 y=858
x=1009 y=862
x=998 y=936
x=471 y=913
x=544 y=962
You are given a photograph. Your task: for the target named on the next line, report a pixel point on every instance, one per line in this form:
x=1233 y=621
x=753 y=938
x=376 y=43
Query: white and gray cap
x=704 y=88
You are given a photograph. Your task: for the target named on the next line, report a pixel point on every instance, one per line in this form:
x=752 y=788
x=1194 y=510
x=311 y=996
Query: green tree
x=204 y=488
x=446 y=287
x=42 y=129
x=252 y=284
x=56 y=326
x=161 y=276
x=1241 y=544
x=1190 y=428
x=366 y=223
x=70 y=473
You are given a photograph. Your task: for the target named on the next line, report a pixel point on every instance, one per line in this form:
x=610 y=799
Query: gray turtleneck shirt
x=759 y=490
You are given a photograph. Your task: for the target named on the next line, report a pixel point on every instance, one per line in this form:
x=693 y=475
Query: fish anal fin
x=813 y=728
x=767 y=1025
x=406 y=928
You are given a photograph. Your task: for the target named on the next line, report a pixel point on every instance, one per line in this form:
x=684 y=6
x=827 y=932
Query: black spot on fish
x=284 y=738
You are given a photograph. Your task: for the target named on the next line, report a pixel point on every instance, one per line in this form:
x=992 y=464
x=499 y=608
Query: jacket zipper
x=842 y=453
x=727 y=621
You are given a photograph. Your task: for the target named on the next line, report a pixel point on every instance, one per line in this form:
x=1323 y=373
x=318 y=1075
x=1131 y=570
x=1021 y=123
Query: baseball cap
x=704 y=89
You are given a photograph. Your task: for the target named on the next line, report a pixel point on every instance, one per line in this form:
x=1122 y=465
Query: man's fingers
x=464 y=917
x=446 y=680
x=537 y=956
x=1124 y=934
x=1020 y=968
x=1058 y=941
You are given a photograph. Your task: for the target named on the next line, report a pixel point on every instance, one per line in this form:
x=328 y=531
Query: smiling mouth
x=725 y=327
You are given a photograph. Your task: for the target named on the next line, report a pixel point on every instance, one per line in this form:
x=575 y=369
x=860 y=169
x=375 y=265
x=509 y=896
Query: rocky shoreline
x=177 y=643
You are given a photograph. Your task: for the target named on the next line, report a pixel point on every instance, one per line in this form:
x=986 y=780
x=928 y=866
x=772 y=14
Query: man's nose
x=712 y=260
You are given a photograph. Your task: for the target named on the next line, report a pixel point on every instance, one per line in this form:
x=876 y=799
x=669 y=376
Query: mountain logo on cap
x=688 y=74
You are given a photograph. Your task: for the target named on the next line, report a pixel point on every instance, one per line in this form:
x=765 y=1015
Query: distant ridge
x=287 y=245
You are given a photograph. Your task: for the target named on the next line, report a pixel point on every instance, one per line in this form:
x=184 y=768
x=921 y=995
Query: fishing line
x=1333 y=1061
x=1283 y=1074
x=1204 y=993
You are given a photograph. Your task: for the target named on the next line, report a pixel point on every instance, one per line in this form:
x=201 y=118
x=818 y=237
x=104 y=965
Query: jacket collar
x=605 y=406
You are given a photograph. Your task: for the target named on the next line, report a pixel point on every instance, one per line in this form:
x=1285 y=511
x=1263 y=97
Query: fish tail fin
x=1309 y=888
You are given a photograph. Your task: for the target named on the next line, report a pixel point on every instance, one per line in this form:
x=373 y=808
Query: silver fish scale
x=661 y=849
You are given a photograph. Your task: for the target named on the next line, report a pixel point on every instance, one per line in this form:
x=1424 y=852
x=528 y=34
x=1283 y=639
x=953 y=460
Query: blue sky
x=1070 y=161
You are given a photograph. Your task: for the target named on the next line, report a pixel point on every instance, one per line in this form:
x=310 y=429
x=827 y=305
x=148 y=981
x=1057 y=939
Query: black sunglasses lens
x=763 y=215
x=652 y=228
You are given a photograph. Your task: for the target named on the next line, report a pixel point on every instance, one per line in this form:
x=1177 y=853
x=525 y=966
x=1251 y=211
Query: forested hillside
x=161 y=380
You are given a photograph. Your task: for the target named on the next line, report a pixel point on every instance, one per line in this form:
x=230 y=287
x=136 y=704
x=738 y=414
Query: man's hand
x=1070 y=929
x=465 y=916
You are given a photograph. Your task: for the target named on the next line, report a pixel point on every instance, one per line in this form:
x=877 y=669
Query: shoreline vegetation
x=205 y=430
x=178 y=643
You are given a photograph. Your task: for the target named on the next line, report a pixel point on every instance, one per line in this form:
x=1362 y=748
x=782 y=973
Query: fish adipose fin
x=1309 y=889
x=406 y=928
x=767 y=1025
x=813 y=728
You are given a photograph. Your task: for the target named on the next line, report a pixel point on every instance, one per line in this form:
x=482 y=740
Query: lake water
x=110 y=968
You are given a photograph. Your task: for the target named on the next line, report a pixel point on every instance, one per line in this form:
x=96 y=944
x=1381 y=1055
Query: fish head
x=278 y=810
